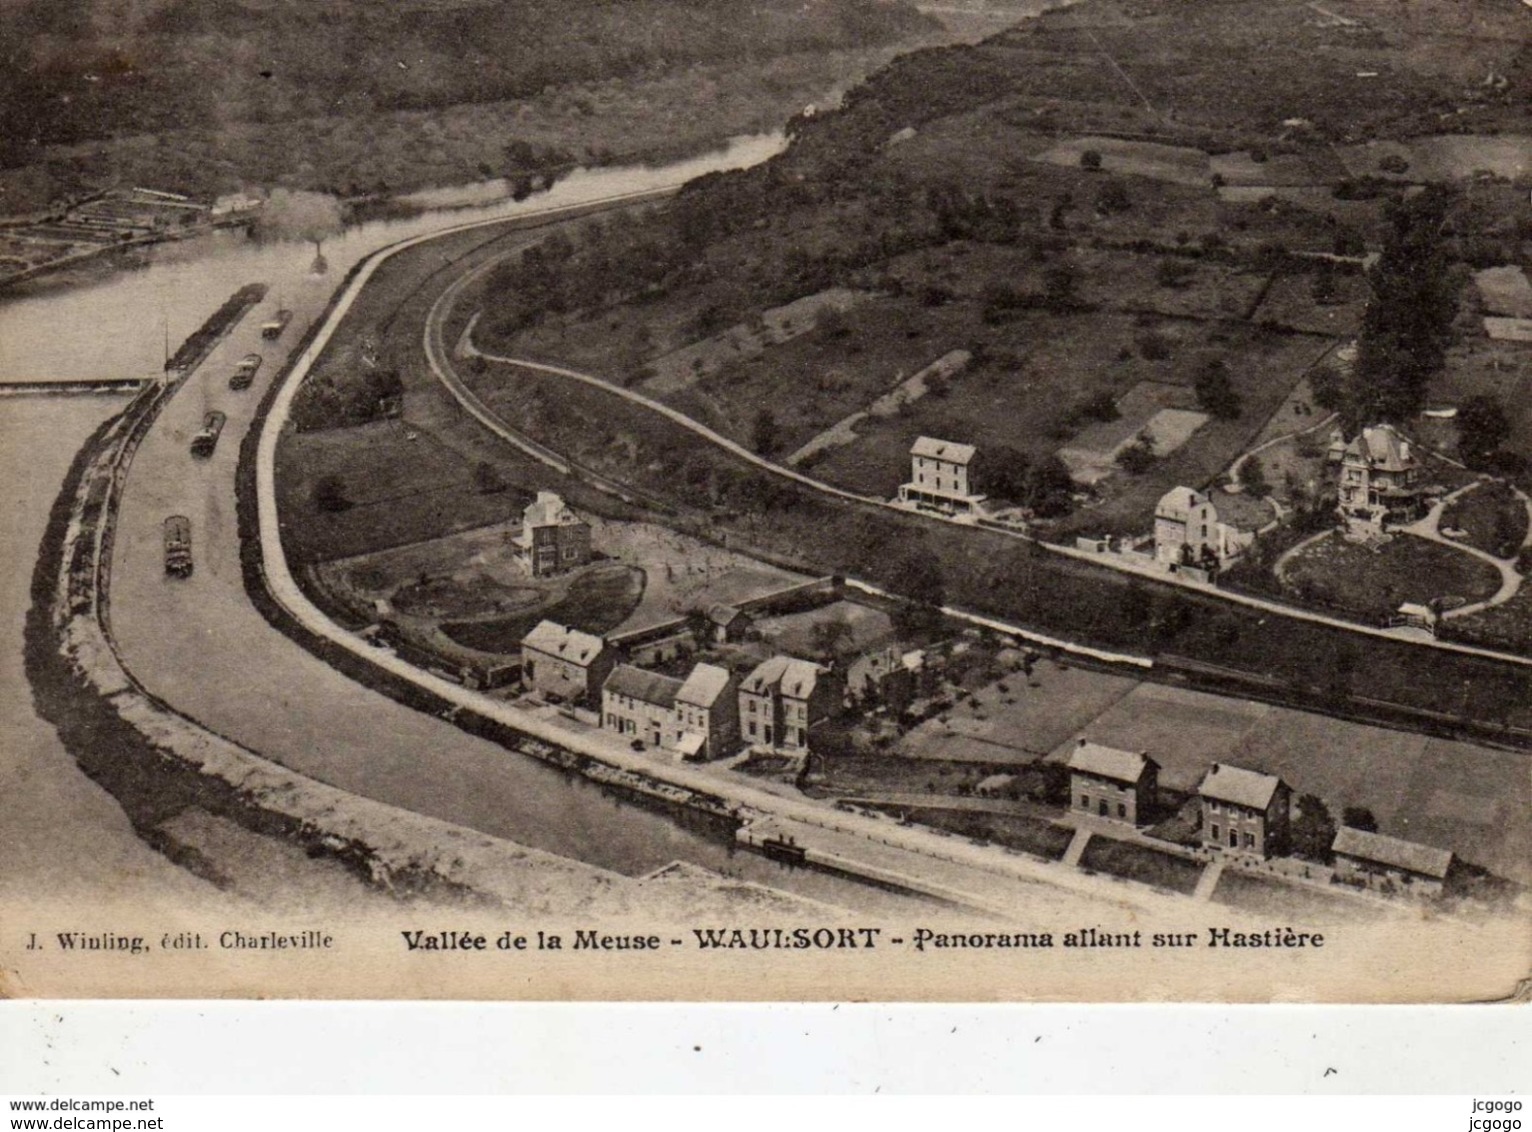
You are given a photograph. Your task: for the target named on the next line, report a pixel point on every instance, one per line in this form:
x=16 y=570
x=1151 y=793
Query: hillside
x=94 y=74
x=1130 y=241
x=1099 y=207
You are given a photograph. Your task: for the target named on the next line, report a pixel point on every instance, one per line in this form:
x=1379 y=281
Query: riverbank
x=161 y=766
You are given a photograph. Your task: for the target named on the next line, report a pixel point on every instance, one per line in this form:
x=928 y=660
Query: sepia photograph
x=755 y=500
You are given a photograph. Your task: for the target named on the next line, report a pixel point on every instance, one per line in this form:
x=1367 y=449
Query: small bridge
x=99 y=387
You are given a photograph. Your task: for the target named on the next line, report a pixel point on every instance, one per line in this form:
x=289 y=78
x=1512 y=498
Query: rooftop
x=1242 y=787
x=1110 y=762
x=794 y=677
x=1383 y=449
x=560 y=640
x=1423 y=860
x=724 y=614
x=642 y=685
x=1178 y=502
x=1241 y=510
x=705 y=684
x=548 y=510
x=943 y=450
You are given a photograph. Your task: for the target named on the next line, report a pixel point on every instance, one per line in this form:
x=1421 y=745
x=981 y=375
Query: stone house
x=553 y=539
x=781 y=700
x=728 y=623
x=1244 y=811
x=1206 y=530
x=1390 y=865
x=1106 y=782
x=1377 y=478
x=939 y=477
x=707 y=714
x=564 y=663
x=882 y=676
x=639 y=704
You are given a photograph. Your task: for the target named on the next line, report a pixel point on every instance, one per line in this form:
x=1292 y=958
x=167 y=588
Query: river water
x=117 y=325
x=66 y=828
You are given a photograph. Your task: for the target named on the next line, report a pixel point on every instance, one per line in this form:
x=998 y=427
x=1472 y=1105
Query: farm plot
x=395 y=490
x=596 y=601
x=681 y=369
x=1161 y=411
x=797 y=633
x=1291 y=302
x=1012 y=831
x=1505 y=291
x=1018 y=718
x=1178 y=164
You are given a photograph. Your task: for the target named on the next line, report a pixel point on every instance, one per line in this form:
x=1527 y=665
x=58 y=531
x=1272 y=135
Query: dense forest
x=86 y=70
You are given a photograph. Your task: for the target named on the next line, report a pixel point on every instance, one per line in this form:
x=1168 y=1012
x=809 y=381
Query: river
x=115 y=326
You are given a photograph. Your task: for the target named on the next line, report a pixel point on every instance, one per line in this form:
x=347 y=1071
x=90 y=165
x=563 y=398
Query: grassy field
x=1140 y=863
x=1029 y=718
x=401 y=491
x=795 y=632
x=1493 y=517
x=878 y=776
x=1372 y=581
x=1012 y=831
x=1287 y=901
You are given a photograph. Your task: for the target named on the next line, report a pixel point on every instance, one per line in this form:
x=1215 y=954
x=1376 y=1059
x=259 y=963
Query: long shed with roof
x=1390 y=864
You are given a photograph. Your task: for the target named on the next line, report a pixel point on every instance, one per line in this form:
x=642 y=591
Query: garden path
x=1429 y=528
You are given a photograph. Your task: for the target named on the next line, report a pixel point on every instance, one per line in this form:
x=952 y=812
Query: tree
x=1001 y=470
x=1113 y=197
x=295 y=214
x=764 y=433
x=1482 y=428
x=1252 y=477
x=1090 y=159
x=1328 y=387
x=830 y=638
x=1060 y=287
x=1313 y=830
x=1323 y=289
x=487 y=479
x=1359 y=817
x=918 y=577
x=1138 y=457
x=1215 y=393
x=1408 y=323
x=330 y=494
x=1048 y=488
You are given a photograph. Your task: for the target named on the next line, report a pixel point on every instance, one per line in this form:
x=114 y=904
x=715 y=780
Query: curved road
x=200 y=645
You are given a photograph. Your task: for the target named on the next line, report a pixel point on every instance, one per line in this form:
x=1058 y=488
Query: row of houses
x=1247 y=813
x=708 y=715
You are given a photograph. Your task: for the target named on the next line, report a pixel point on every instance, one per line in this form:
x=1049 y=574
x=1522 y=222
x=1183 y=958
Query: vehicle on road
x=178 y=551
x=206 y=440
x=276 y=324
x=245 y=372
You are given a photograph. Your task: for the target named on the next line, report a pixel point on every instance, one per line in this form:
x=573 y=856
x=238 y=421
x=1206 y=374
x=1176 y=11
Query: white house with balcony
x=940 y=478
